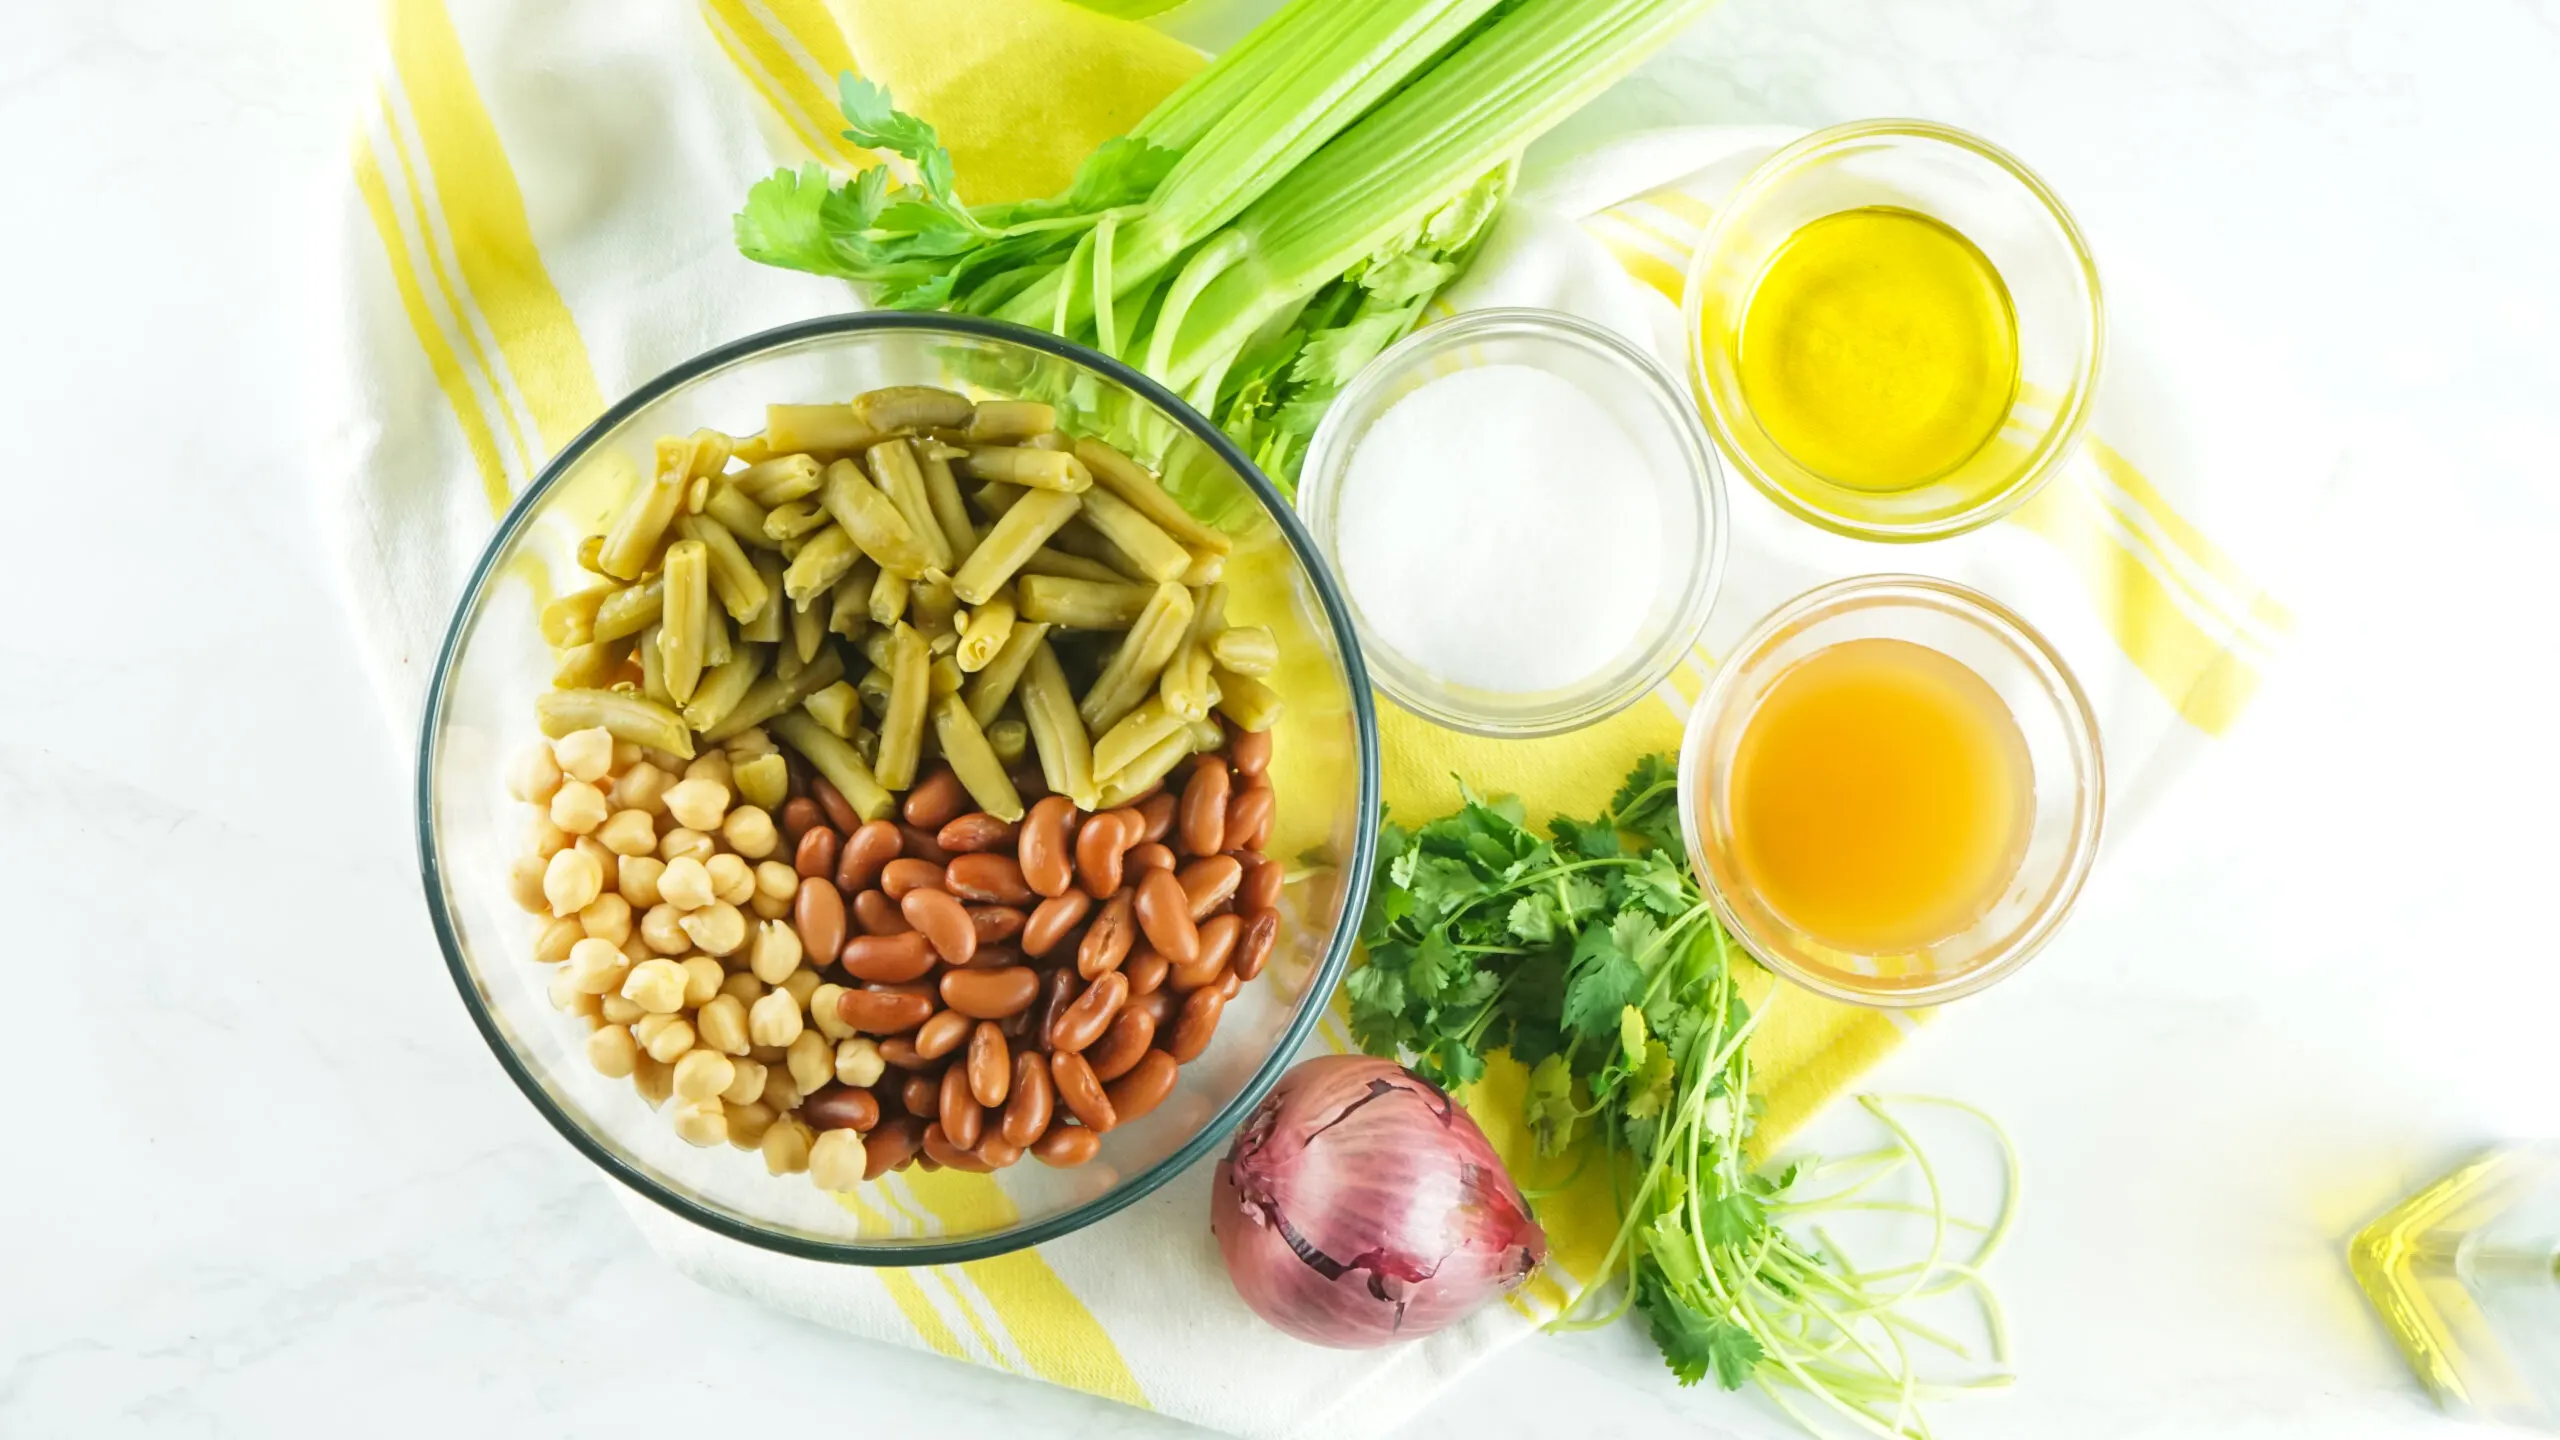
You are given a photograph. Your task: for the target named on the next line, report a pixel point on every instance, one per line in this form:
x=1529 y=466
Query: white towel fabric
x=540 y=222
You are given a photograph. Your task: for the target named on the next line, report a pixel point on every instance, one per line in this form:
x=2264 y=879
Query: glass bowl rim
x=1128 y=1191
x=2059 y=443
x=2079 y=722
x=1328 y=467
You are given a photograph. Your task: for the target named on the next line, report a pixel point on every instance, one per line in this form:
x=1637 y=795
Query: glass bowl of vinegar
x=1892 y=792
x=1894 y=330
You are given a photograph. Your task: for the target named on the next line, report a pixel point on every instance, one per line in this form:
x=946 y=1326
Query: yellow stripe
x=485 y=217
x=1650 y=269
x=1057 y=1335
x=2262 y=608
x=1681 y=246
x=760 y=80
x=800 y=92
x=1683 y=204
x=810 y=23
x=909 y=1298
x=440 y=357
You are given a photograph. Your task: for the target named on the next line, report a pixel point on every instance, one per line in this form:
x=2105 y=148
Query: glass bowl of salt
x=1527 y=519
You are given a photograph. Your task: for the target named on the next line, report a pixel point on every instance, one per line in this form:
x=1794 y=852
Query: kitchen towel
x=538 y=221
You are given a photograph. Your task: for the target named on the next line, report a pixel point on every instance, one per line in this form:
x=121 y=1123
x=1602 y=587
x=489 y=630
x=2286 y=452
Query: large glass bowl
x=493 y=664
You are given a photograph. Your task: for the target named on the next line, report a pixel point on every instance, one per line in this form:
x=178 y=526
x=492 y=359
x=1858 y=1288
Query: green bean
x=743 y=518
x=1092 y=544
x=895 y=472
x=1049 y=711
x=913 y=407
x=591 y=666
x=750 y=450
x=823 y=560
x=763 y=781
x=1010 y=422
x=983 y=632
x=880 y=646
x=1157 y=555
x=1206 y=736
x=1048 y=560
x=910 y=690
x=787 y=663
x=839 y=762
x=1017 y=533
x=1081 y=604
x=942 y=493
x=630 y=610
x=782 y=479
x=1247 y=701
x=777 y=692
x=873 y=687
x=706 y=453
x=653 y=666
x=591 y=555
x=995 y=497
x=1187 y=688
x=1024 y=465
x=681 y=638
x=1246 y=649
x=1132 y=670
x=724 y=687
x=849 y=604
x=766 y=627
x=1127 y=479
x=933 y=610
x=742 y=591
x=994 y=683
x=973 y=760
x=624 y=715
x=1141 y=774
x=571 y=619
x=1010 y=739
x=816 y=430
x=1207 y=567
x=808 y=629
x=1137 y=732
x=643 y=522
x=888 y=598
x=715 y=637
x=793 y=519
x=835 y=708
x=872 y=521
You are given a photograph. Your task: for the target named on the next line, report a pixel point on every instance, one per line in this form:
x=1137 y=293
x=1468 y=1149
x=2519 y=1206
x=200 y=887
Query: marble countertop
x=266 y=1182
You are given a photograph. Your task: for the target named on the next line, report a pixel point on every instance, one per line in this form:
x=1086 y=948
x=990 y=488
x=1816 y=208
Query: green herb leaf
x=1695 y=1344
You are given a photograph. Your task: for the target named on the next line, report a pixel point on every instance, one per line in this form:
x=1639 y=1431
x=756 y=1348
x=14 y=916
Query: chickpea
x=777 y=952
x=719 y=928
x=724 y=1025
x=743 y=987
x=836 y=1161
x=544 y=838
x=643 y=787
x=552 y=945
x=597 y=966
x=636 y=949
x=822 y=1012
x=683 y=844
x=664 y=1036
x=749 y=743
x=607 y=917
x=802 y=983
x=702 y=977
x=701 y=1122
x=858 y=1061
x=579 y=807
x=698 y=804
x=811 y=1060
x=775 y=1020
x=626 y=753
x=617 y=1010
x=528 y=878
x=584 y=754
x=654 y=1079
x=768 y=1054
x=703 y=1074
x=663 y=929
x=732 y=882
x=746 y=1081
x=571 y=881
x=612 y=1051
x=534 y=776
x=748 y=1123
x=628 y=832
x=780 y=1092
x=656 y=986
x=786 y=1147
x=763 y=781
x=685 y=884
x=564 y=992
x=768 y=907
x=778 y=880
x=639 y=880
x=750 y=832
x=713 y=768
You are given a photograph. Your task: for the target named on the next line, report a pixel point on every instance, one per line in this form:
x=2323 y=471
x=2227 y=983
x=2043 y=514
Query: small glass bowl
x=1982 y=193
x=2068 y=777
x=1688 y=486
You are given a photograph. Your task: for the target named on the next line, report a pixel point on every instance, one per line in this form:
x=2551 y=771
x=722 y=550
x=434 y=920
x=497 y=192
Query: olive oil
x=1881 y=796
x=1879 y=349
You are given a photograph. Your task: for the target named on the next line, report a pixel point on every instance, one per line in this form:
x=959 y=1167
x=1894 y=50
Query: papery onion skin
x=1360 y=1206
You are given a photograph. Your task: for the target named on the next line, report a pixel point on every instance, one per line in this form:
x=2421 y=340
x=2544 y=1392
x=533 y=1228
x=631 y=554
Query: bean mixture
x=887 y=822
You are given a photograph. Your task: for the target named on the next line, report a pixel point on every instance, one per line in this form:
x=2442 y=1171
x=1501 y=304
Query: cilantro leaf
x=1735 y=1219
x=1693 y=1343
x=1595 y=840
x=1532 y=919
x=1553 y=1117
x=1603 y=979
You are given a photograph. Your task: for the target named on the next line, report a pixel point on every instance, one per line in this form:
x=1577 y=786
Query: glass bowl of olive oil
x=1894 y=329
x=1892 y=791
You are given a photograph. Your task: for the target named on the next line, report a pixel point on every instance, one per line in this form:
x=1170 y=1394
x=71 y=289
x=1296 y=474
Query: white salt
x=1497 y=528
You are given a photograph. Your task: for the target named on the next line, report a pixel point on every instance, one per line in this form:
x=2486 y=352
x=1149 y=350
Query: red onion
x=1360 y=1205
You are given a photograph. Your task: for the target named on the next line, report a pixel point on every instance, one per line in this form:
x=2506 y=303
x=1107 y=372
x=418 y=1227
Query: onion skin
x=1360 y=1206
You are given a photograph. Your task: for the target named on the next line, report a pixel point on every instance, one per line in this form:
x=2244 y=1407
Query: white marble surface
x=264 y=1181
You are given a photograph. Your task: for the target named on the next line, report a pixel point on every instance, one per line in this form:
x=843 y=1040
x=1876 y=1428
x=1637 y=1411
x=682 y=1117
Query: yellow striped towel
x=539 y=221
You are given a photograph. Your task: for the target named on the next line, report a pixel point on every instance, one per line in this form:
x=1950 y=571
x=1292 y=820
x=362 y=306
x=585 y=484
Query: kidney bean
x=1228 y=982
x=1210 y=882
x=1260 y=887
x=1026 y=1113
x=891 y=1146
x=939 y=1149
x=989 y=879
x=864 y=852
x=1249 y=818
x=1250 y=752
x=920 y=844
x=996 y=1152
x=926 y=1163
x=1204 y=807
x=1048 y=859
x=995 y=924
x=814 y=855
x=900 y=876
x=990 y=994
x=900 y=1051
x=1066 y=1146
x=883 y=1012
x=1083 y=1095
x=1146 y=971
x=963 y=1119
x=943 y=922
x=1059 y=989
x=1218 y=936
x=888 y=959
x=1051 y=923
x=1017 y=1026
x=817 y=912
x=877 y=914
x=1164 y=913
x=1253 y=948
x=1101 y=844
x=1197 y=1022
x=974 y=832
x=990 y=1064
x=1197 y=975
x=841 y=1107
x=1152 y=855
x=1158 y=811
x=947 y=1031
x=1107 y=940
x=800 y=814
x=1132 y=1032
x=840 y=812
x=996 y=957
x=1143 y=1088
x=922 y=1096
x=935 y=800
x=1160 y=1005
x=1091 y=1014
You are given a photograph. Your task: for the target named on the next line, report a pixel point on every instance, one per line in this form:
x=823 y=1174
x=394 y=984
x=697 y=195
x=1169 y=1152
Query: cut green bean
x=872 y=521
x=633 y=540
x=1092 y=544
x=913 y=407
x=721 y=690
x=793 y=519
x=994 y=683
x=715 y=637
x=744 y=519
x=1048 y=560
x=653 y=666
x=983 y=632
x=1137 y=732
x=750 y=450
x=623 y=715
x=902 y=724
x=888 y=598
x=688 y=610
x=571 y=619
x=942 y=493
x=1010 y=739
x=895 y=472
x=873 y=687
x=1132 y=670
x=995 y=497
x=1253 y=705
x=933 y=609
x=1057 y=733
x=706 y=453
x=1246 y=649
x=591 y=555
x=777 y=692
x=1010 y=422
x=1017 y=533
x=766 y=627
x=816 y=430
x=836 y=708
x=823 y=560
x=1023 y=465
x=1081 y=604
x=764 y=781
x=849 y=604
x=591 y=666
x=733 y=575
x=1157 y=555
x=1133 y=483
x=1207 y=567
x=971 y=758
x=809 y=629
x=1143 y=773
x=780 y=480
x=787 y=663
x=839 y=762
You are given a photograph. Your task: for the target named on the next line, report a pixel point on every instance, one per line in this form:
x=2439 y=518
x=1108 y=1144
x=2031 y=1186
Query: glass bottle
x=2465 y=1275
